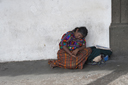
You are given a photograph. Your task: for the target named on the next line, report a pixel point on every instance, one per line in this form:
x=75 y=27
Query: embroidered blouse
x=71 y=42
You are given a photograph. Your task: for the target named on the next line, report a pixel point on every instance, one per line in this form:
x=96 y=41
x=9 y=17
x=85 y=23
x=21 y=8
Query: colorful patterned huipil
x=71 y=42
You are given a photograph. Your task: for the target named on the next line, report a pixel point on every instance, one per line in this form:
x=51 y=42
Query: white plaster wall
x=32 y=29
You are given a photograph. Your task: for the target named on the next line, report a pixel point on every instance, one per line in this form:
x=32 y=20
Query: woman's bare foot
x=52 y=65
x=49 y=61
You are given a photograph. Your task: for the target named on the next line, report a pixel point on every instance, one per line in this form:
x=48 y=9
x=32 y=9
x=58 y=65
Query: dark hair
x=83 y=30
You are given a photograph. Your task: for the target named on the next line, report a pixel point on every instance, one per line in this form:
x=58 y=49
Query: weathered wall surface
x=119 y=29
x=31 y=29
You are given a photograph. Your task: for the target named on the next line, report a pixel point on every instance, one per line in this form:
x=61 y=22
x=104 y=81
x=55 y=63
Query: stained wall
x=32 y=29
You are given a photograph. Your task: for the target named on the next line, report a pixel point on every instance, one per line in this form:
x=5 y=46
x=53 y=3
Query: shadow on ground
x=41 y=67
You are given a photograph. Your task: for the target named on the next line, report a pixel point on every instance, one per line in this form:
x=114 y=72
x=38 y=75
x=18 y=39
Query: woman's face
x=78 y=35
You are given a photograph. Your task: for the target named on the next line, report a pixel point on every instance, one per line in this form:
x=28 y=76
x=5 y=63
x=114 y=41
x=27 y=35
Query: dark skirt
x=64 y=60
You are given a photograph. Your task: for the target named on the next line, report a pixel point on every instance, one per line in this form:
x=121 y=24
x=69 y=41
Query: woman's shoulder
x=83 y=40
x=69 y=32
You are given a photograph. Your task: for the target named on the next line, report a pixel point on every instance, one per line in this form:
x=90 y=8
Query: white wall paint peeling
x=32 y=29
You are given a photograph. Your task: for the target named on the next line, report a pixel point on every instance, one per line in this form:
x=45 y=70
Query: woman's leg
x=64 y=60
x=82 y=57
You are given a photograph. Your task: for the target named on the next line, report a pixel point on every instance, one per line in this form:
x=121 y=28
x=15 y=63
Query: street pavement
x=113 y=72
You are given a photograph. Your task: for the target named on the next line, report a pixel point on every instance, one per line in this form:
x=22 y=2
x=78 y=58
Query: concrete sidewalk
x=39 y=73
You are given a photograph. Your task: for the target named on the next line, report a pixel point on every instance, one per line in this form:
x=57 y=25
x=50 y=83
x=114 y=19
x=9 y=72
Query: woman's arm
x=67 y=50
x=81 y=48
x=78 y=49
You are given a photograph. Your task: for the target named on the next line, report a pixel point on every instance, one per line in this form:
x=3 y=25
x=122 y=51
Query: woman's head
x=80 y=32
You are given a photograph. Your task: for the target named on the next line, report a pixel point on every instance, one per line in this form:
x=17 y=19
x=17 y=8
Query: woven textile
x=71 y=42
x=64 y=60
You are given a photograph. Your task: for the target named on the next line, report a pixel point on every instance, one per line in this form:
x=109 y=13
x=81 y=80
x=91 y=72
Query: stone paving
x=39 y=73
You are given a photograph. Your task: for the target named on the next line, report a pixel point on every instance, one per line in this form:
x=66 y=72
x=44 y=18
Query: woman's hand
x=74 y=52
x=67 y=50
x=73 y=55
